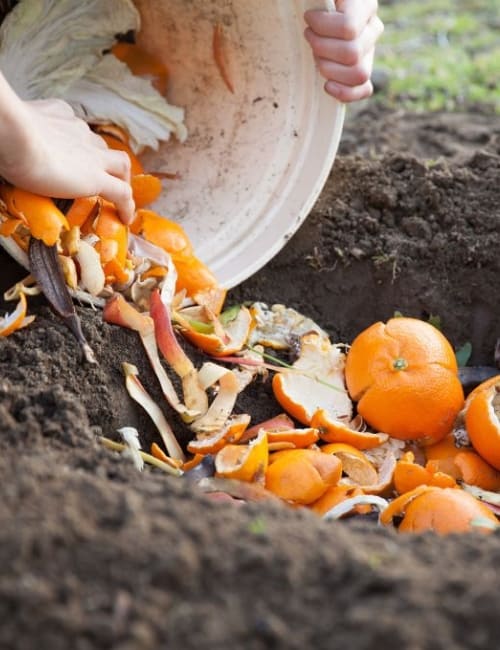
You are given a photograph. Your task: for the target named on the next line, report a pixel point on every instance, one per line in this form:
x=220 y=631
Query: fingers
x=346 y=94
x=347 y=75
x=343 y=51
x=117 y=163
x=347 y=23
x=120 y=193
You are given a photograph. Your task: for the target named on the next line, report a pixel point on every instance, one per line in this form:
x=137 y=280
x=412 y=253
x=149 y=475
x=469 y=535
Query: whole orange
x=404 y=376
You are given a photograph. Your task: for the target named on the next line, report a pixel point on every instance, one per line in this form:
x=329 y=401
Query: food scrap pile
x=381 y=424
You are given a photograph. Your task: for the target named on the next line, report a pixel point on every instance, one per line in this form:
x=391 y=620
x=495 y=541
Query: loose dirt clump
x=96 y=555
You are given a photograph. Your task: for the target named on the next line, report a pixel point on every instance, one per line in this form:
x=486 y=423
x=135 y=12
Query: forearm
x=11 y=131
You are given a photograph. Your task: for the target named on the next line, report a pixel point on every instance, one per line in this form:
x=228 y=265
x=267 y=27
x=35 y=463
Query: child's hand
x=343 y=44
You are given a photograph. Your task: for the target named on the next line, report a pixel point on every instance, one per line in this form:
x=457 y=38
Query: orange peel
x=335 y=495
x=280 y=422
x=299 y=438
x=359 y=470
x=316 y=381
x=44 y=220
x=442 y=510
x=302 y=476
x=244 y=462
x=408 y=475
x=142 y=64
x=14 y=321
x=474 y=470
x=224 y=340
x=146 y=188
x=332 y=430
x=482 y=421
x=229 y=434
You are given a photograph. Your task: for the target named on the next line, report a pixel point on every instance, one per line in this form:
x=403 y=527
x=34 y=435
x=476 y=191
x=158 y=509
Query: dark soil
x=95 y=555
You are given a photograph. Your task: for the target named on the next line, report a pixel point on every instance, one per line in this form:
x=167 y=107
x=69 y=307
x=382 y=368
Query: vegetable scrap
x=375 y=426
x=219 y=43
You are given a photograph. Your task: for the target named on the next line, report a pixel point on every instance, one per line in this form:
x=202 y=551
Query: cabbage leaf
x=57 y=48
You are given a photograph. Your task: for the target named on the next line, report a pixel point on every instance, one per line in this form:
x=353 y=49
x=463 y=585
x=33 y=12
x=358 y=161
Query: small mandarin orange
x=404 y=376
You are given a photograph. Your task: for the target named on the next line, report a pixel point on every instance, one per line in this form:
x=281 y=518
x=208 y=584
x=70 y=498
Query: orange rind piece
x=14 y=321
x=442 y=456
x=142 y=64
x=244 y=462
x=302 y=476
x=199 y=282
x=355 y=464
x=404 y=377
x=229 y=434
x=44 y=220
x=220 y=55
x=299 y=438
x=224 y=340
x=408 y=475
x=474 y=470
x=83 y=212
x=113 y=244
x=9 y=226
x=146 y=188
x=163 y=232
x=332 y=430
x=280 y=422
x=158 y=453
x=316 y=381
x=482 y=421
x=337 y=494
x=442 y=510
x=485 y=385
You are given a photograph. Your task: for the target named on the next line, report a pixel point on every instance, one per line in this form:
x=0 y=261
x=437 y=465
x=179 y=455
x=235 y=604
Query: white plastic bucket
x=255 y=161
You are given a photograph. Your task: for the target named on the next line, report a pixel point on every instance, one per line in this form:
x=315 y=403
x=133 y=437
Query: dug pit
x=96 y=555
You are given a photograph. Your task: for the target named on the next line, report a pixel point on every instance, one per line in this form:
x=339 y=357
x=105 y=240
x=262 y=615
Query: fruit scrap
x=217 y=336
x=281 y=422
x=336 y=495
x=335 y=430
x=222 y=406
x=120 y=312
x=404 y=377
x=355 y=503
x=142 y=64
x=302 y=476
x=132 y=450
x=193 y=276
x=14 y=321
x=220 y=55
x=442 y=510
x=146 y=188
x=237 y=489
x=279 y=326
x=195 y=397
x=138 y=393
x=408 y=475
x=38 y=213
x=230 y=433
x=244 y=462
x=482 y=420
x=315 y=381
x=148 y=458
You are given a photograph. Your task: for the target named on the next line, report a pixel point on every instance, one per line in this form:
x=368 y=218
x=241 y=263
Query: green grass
x=441 y=54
